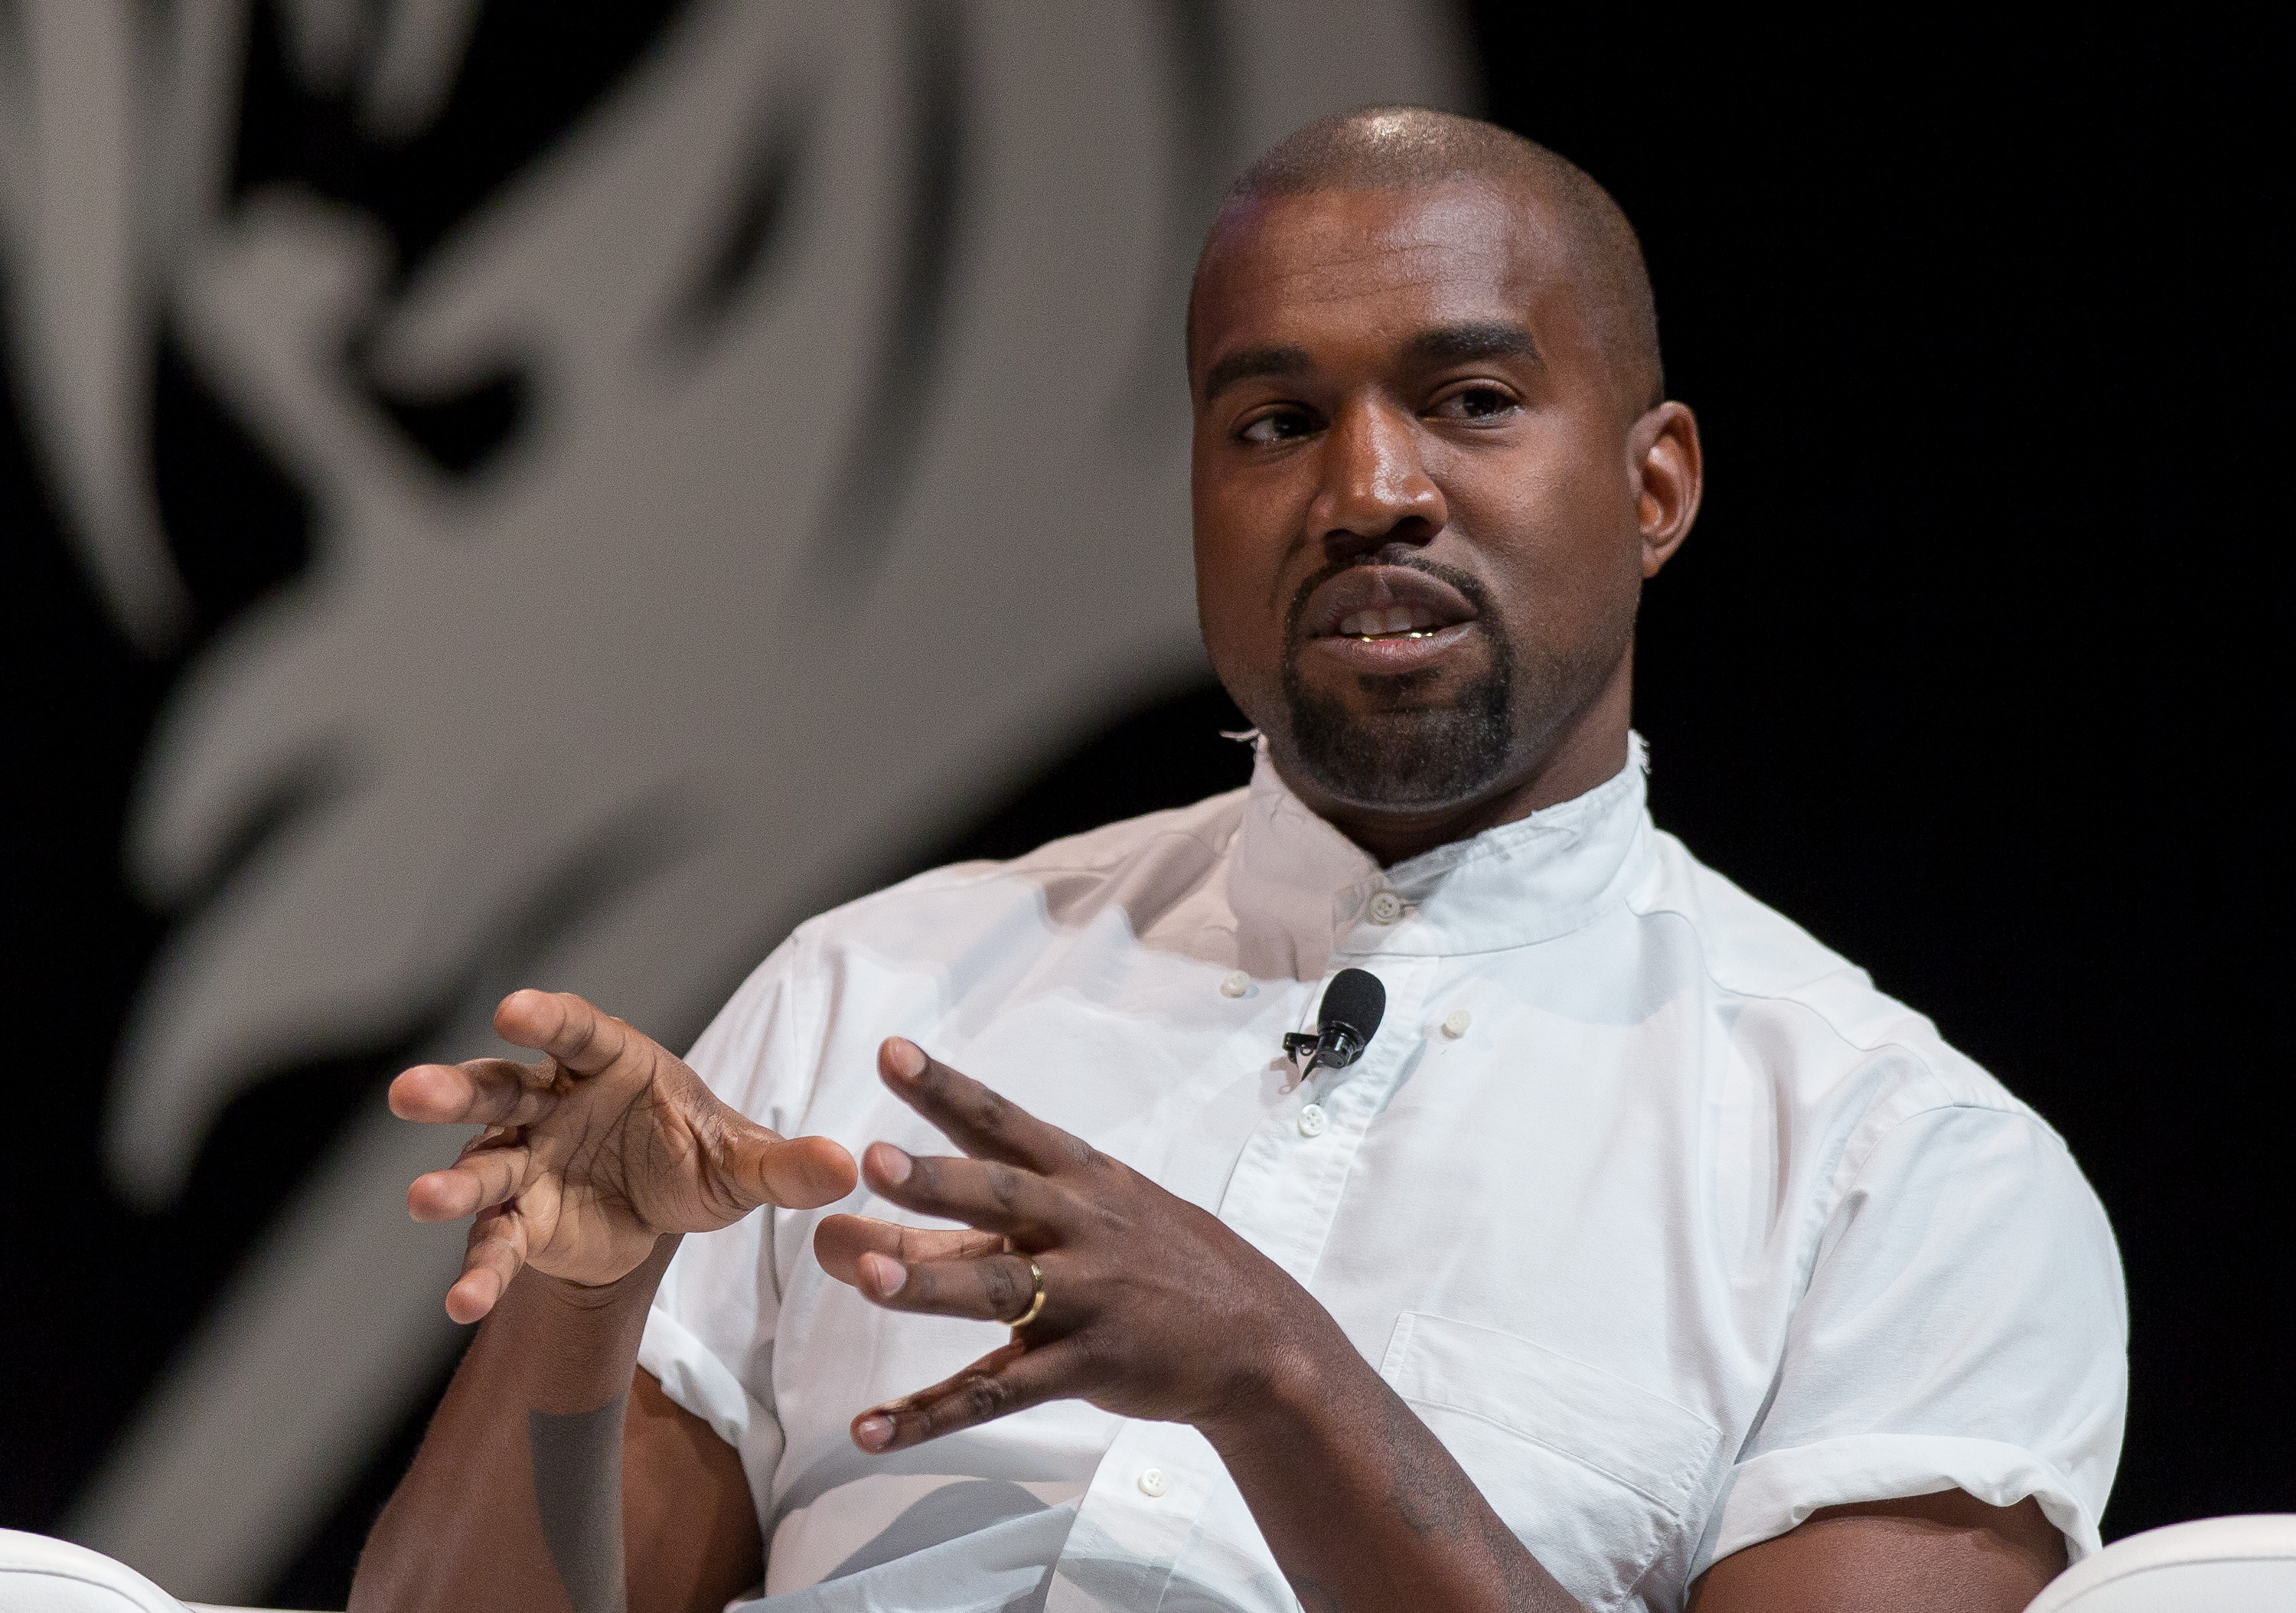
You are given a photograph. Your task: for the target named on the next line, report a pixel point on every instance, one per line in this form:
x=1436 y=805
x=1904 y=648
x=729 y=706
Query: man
x=1648 y=1257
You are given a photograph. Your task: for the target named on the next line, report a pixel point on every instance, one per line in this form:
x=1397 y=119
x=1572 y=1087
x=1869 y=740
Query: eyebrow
x=1252 y=364
x=1462 y=343
x=1444 y=344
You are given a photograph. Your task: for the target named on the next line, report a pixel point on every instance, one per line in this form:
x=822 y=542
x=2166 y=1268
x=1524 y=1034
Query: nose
x=1375 y=487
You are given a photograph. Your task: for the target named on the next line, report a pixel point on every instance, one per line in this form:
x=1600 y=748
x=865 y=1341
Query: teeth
x=1378 y=624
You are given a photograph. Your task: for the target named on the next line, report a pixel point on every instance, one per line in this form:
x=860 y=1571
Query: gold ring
x=1036 y=1300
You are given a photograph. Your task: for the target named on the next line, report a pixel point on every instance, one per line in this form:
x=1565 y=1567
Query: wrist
x=578 y=1341
x=1293 y=1383
x=633 y=1288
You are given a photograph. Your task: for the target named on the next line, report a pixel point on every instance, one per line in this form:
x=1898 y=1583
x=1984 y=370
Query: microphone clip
x=1334 y=1049
x=1353 y=1006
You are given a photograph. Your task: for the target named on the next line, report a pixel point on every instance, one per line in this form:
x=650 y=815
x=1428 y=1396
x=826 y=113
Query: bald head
x=1411 y=148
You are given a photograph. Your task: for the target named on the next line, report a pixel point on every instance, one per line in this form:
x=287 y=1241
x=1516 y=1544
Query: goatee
x=1407 y=756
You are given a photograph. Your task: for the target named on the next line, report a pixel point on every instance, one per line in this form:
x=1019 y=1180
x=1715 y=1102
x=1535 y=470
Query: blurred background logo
x=660 y=468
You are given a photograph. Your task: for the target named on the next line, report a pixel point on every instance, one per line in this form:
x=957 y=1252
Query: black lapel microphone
x=1353 y=1006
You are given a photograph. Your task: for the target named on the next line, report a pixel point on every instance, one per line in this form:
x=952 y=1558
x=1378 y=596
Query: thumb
x=794 y=1173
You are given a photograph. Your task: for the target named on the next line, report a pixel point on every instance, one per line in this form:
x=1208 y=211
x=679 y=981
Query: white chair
x=2217 y=1564
x=39 y=1574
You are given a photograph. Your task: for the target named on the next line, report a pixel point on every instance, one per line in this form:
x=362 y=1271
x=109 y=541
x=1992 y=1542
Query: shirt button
x=1152 y=1481
x=1386 y=907
x=1455 y=1022
x=1313 y=1120
x=1236 y=984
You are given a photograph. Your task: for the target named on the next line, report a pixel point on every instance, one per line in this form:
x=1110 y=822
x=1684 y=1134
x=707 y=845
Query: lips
x=1384 y=602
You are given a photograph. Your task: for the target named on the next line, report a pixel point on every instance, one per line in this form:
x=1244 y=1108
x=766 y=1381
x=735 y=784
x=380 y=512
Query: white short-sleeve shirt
x=1670 y=1225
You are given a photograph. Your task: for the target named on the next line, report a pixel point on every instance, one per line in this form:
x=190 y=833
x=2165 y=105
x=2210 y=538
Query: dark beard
x=1418 y=757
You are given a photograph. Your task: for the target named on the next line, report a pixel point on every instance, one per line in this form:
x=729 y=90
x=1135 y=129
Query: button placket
x=1283 y=1196
x=1285 y=1188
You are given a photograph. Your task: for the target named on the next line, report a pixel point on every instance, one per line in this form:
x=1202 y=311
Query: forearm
x=1362 y=1505
x=514 y=1501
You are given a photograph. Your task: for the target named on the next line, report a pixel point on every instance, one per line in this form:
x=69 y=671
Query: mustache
x=1468 y=586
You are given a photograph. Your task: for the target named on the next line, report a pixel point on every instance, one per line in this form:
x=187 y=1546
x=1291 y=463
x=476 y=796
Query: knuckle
x=1005 y=1286
x=983 y=1398
x=619 y=1030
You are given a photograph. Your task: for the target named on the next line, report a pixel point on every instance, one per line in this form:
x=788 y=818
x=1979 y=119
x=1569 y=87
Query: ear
x=1670 y=475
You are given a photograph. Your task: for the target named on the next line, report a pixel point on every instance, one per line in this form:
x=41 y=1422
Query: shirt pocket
x=1597 y=1475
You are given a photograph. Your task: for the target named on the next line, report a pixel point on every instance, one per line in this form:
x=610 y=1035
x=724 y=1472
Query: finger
x=984 y=1193
x=976 y=1120
x=572 y=1031
x=481 y=1178
x=493 y=1255
x=483 y=1092
x=1008 y=1379
x=794 y=1173
x=991 y=1288
x=840 y=1241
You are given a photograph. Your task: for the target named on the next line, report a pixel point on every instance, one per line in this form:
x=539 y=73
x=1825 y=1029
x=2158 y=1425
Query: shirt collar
x=1304 y=893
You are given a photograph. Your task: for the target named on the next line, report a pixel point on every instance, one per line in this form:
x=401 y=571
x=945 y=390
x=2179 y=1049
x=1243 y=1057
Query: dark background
x=1975 y=665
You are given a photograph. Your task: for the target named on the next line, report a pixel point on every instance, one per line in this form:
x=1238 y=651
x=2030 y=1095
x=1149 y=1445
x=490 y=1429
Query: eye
x=1476 y=400
x=1281 y=425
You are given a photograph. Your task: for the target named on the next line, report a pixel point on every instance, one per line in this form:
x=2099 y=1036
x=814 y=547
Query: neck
x=1589 y=750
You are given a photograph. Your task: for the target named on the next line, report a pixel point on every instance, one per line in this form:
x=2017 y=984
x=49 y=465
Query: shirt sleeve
x=1965 y=1328
x=709 y=1336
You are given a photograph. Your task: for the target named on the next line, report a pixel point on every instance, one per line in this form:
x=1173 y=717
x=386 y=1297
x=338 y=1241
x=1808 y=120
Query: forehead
x=1382 y=263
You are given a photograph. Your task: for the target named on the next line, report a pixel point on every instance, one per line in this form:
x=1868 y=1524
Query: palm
x=617 y=1164
x=592 y=1154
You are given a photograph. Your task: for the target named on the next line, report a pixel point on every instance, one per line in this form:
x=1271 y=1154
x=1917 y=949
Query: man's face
x=1419 y=516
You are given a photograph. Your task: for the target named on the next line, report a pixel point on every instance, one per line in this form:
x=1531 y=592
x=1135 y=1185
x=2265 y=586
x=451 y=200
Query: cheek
x=1562 y=525
x=1241 y=632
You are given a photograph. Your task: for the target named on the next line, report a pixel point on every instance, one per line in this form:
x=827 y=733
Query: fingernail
x=895 y=1165
x=889 y=1285
x=908 y=1060
x=873 y=1431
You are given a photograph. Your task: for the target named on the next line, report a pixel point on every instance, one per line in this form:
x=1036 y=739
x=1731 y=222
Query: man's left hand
x=1152 y=1307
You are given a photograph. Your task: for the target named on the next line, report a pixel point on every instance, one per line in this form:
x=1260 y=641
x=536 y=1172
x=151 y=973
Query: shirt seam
x=1843 y=1181
x=1844 y=1170
x=1791 y=997
x=1865 y=1157
x=1787 y=995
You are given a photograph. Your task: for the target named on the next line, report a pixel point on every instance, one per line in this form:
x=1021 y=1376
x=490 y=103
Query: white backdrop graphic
x=853 y=484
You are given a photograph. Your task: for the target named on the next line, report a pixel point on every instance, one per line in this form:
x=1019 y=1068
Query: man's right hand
x=591 y=1154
